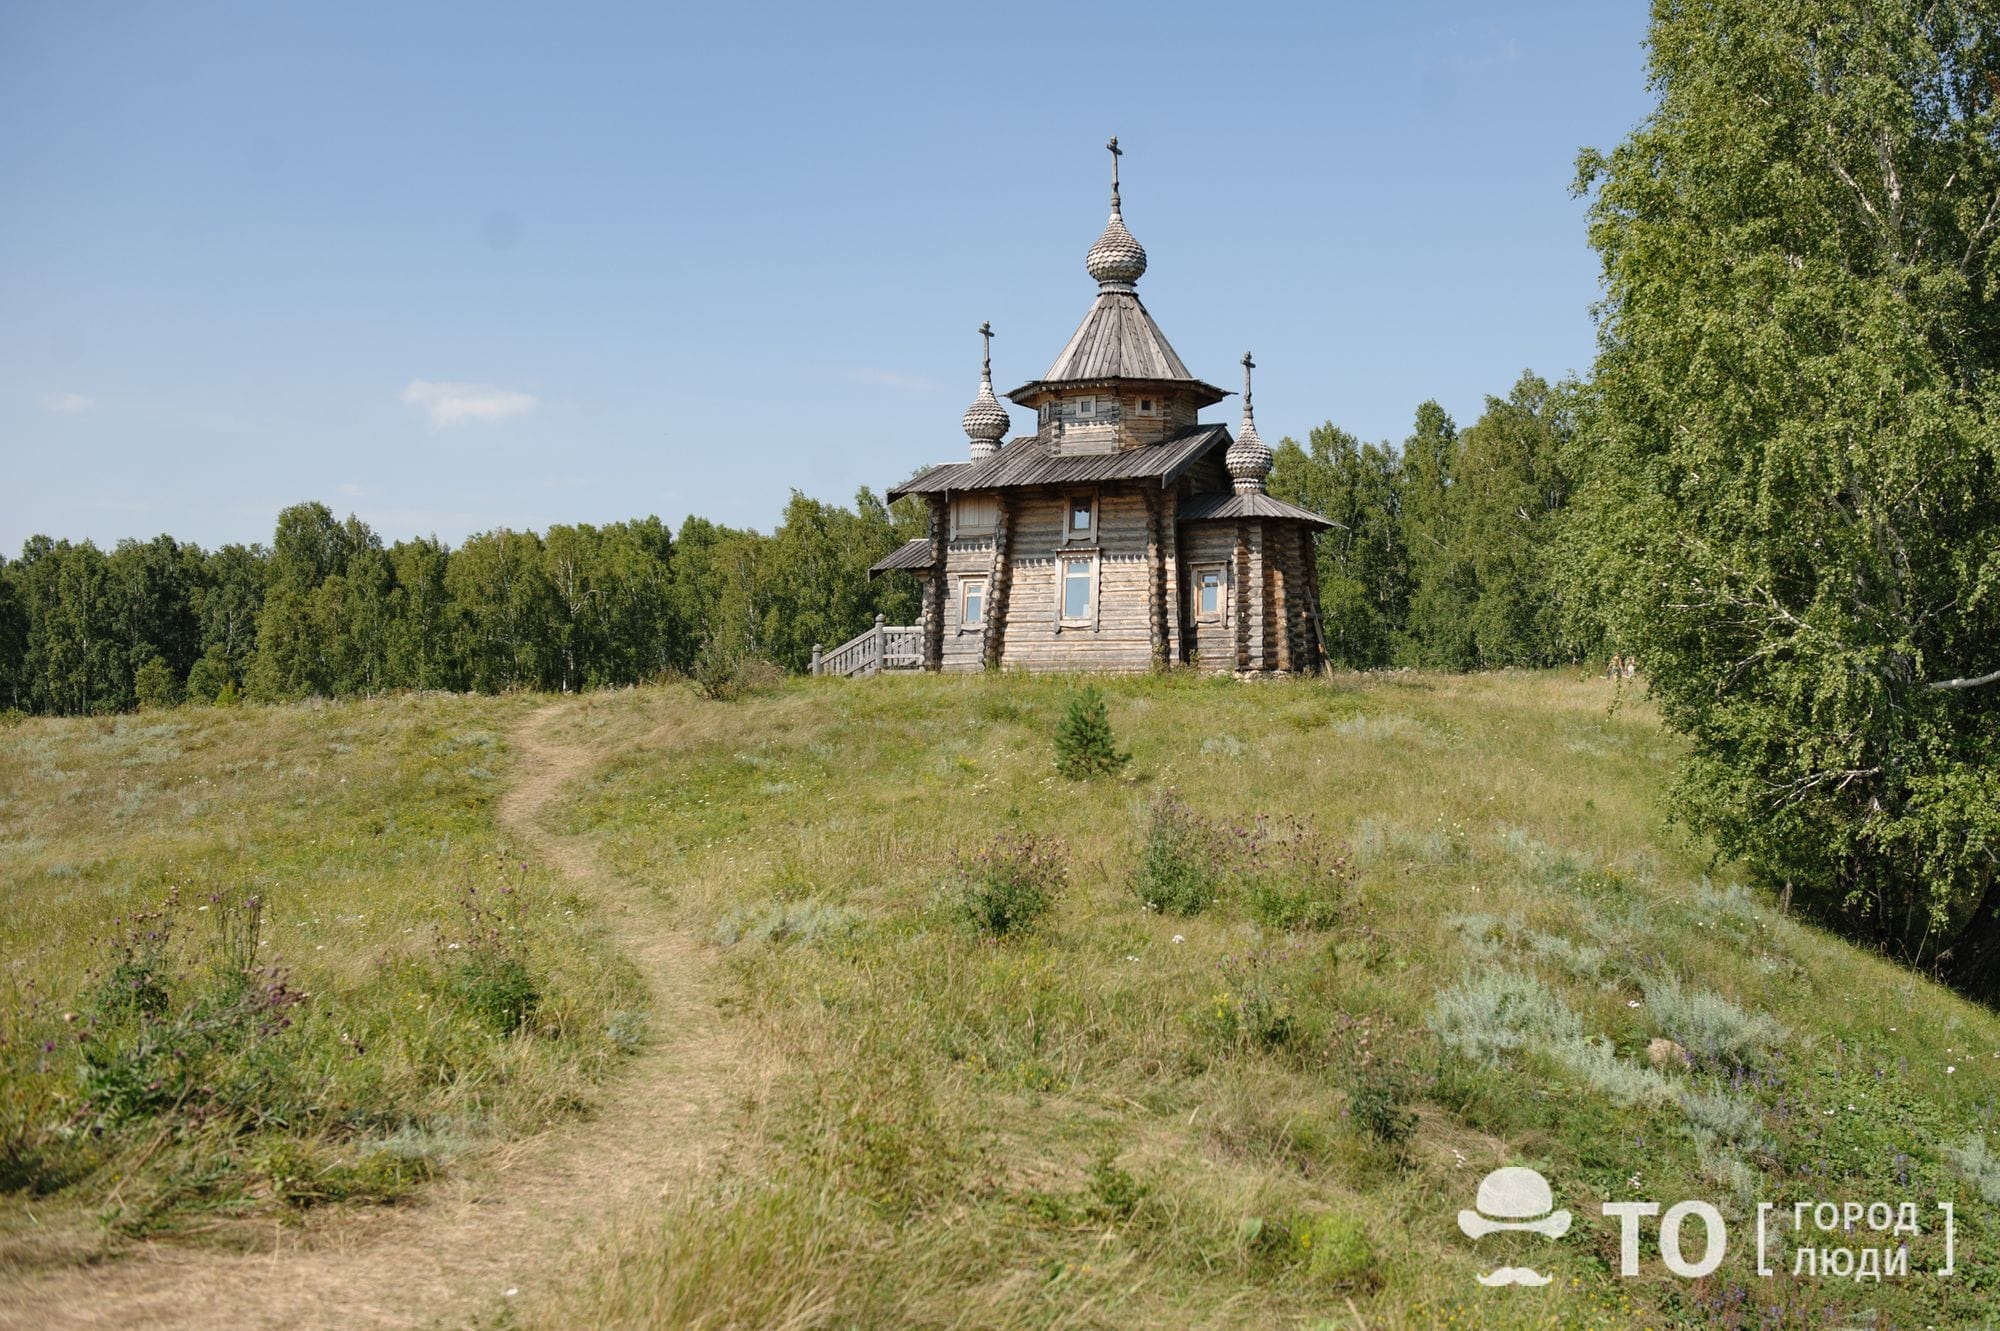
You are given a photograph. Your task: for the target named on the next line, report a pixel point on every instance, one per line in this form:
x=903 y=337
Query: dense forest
x=1441 y=558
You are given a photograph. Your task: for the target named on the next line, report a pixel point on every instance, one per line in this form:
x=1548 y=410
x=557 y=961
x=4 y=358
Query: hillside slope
x=1241 y=1073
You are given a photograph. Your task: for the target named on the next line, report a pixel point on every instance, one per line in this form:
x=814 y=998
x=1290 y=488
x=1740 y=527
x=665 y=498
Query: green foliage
x=1790 y=510
x=154 y=685
x=1085 y=746
x=1710 y=1027
x=1181 y=861
x=1008 y=888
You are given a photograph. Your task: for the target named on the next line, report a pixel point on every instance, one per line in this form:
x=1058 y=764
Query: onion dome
x=1117 y=260
x=1249 y=457
x=986 y=422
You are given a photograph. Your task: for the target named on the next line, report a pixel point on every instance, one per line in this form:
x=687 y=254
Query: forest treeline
x=1440 y=557
x=328 y=609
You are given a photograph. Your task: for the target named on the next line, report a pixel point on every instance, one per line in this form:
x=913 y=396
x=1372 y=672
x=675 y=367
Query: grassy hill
x=1321 y=957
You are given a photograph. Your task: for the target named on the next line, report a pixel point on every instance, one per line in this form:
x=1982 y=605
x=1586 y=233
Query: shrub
x=1007 y=888
x=1336 y=1250
x=1250 y=1012
x=1181 y=864
x=1488 y=1016
x=1725 y=1119
x=485 y=971
x=1085 y=747
x=1711 y=1027
x=1375 y=1104
x=1292 y=878
x=724 y=674
x=1977 y=1165
x=497 y=989
x=778 y=921
x=154 y=684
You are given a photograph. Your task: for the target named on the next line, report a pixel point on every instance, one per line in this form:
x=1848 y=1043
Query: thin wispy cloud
x=350 y=489
x=446 y=404
x=67 y=404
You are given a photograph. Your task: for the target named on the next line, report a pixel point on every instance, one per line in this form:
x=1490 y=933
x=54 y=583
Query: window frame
x=1219 y=615
x=1070 y=504
x=966 y=586
x=1148 y=406
x=1091 y=564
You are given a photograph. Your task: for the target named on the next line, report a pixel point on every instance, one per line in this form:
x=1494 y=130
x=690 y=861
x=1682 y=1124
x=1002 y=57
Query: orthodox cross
x=1116 y=153
x=1248 y=365
x=986 y=362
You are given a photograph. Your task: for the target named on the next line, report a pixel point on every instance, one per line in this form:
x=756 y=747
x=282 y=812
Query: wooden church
x=1123 y=534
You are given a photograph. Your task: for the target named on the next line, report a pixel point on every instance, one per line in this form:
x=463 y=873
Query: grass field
x=1322 y=955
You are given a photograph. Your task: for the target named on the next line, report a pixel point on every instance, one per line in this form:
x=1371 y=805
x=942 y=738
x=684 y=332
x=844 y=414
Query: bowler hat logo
x=1514 y=1200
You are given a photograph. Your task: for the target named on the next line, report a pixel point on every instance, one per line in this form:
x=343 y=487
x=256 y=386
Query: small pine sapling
x=1085 y=746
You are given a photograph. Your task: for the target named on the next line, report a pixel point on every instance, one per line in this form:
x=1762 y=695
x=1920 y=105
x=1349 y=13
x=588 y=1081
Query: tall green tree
x=76 y=660
x=13 y=640
x=1364 y=563
x=1442 y=585
x=1510 y=495
x=1795 y=508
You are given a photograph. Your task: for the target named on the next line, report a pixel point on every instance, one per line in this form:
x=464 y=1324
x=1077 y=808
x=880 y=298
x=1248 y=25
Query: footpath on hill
x=509 y=1227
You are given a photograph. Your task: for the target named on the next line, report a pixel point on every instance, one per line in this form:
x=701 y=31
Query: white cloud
x=447 y=404
x=350 y=489
x=67 y=404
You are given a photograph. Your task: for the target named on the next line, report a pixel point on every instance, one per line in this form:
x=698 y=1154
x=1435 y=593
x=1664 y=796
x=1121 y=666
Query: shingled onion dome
x=986 y=422
x=1116 y=260
x=1249 y=458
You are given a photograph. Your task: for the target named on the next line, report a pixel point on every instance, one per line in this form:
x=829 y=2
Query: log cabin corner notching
x=1124 y=533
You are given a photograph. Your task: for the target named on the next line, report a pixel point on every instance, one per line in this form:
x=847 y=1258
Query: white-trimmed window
x=1085 y=406
x=1080 y=517
x=974 y=515
x=1211 y=594
x=1149 y=406
x=972 y=603
x=1076 y=589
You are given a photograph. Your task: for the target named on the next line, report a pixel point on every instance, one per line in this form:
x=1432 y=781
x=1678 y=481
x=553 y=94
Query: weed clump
x=1181 y=864
x=487 y=976
x=1085 y=746
x=1288 y=876
x=1713 y=1029
x=1008 y=888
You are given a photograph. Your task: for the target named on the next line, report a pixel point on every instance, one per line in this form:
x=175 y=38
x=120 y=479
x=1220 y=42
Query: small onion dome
x=1248 y=460
x=1116 y=258
x=986 y=421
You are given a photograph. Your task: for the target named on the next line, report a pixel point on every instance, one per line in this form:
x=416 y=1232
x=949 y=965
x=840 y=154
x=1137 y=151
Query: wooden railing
x=883 y=647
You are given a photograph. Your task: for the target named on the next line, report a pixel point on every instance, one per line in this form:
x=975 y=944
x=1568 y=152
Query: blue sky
x=454 y=267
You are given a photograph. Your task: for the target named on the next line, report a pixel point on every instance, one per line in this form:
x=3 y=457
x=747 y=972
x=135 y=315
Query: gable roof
x=1118 y=340
x=911 y=554
x=1027 y=462
x=1213 y=507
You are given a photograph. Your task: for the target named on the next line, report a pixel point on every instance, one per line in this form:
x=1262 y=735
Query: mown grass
x=1126 y=1116
x=262 y=959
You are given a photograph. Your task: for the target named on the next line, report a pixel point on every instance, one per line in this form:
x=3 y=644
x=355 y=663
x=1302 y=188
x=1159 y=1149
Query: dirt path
x=512 y=1224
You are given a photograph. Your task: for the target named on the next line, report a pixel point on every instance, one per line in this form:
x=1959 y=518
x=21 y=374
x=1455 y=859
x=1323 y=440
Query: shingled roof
x=911 y=555
x=1211 y=507
x=1028 y=462
x=1118 y=340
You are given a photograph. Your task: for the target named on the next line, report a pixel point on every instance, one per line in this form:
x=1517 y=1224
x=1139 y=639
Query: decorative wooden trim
x=934 y=586
x=1170 y=531
x=1156 y=581
x=999 y=584
x=1242 y=580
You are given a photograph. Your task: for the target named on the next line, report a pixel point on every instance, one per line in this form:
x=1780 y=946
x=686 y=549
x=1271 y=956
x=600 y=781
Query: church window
x=1211 y=595
x=1079 y=578
x=1082 y=521
x=972 y=603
